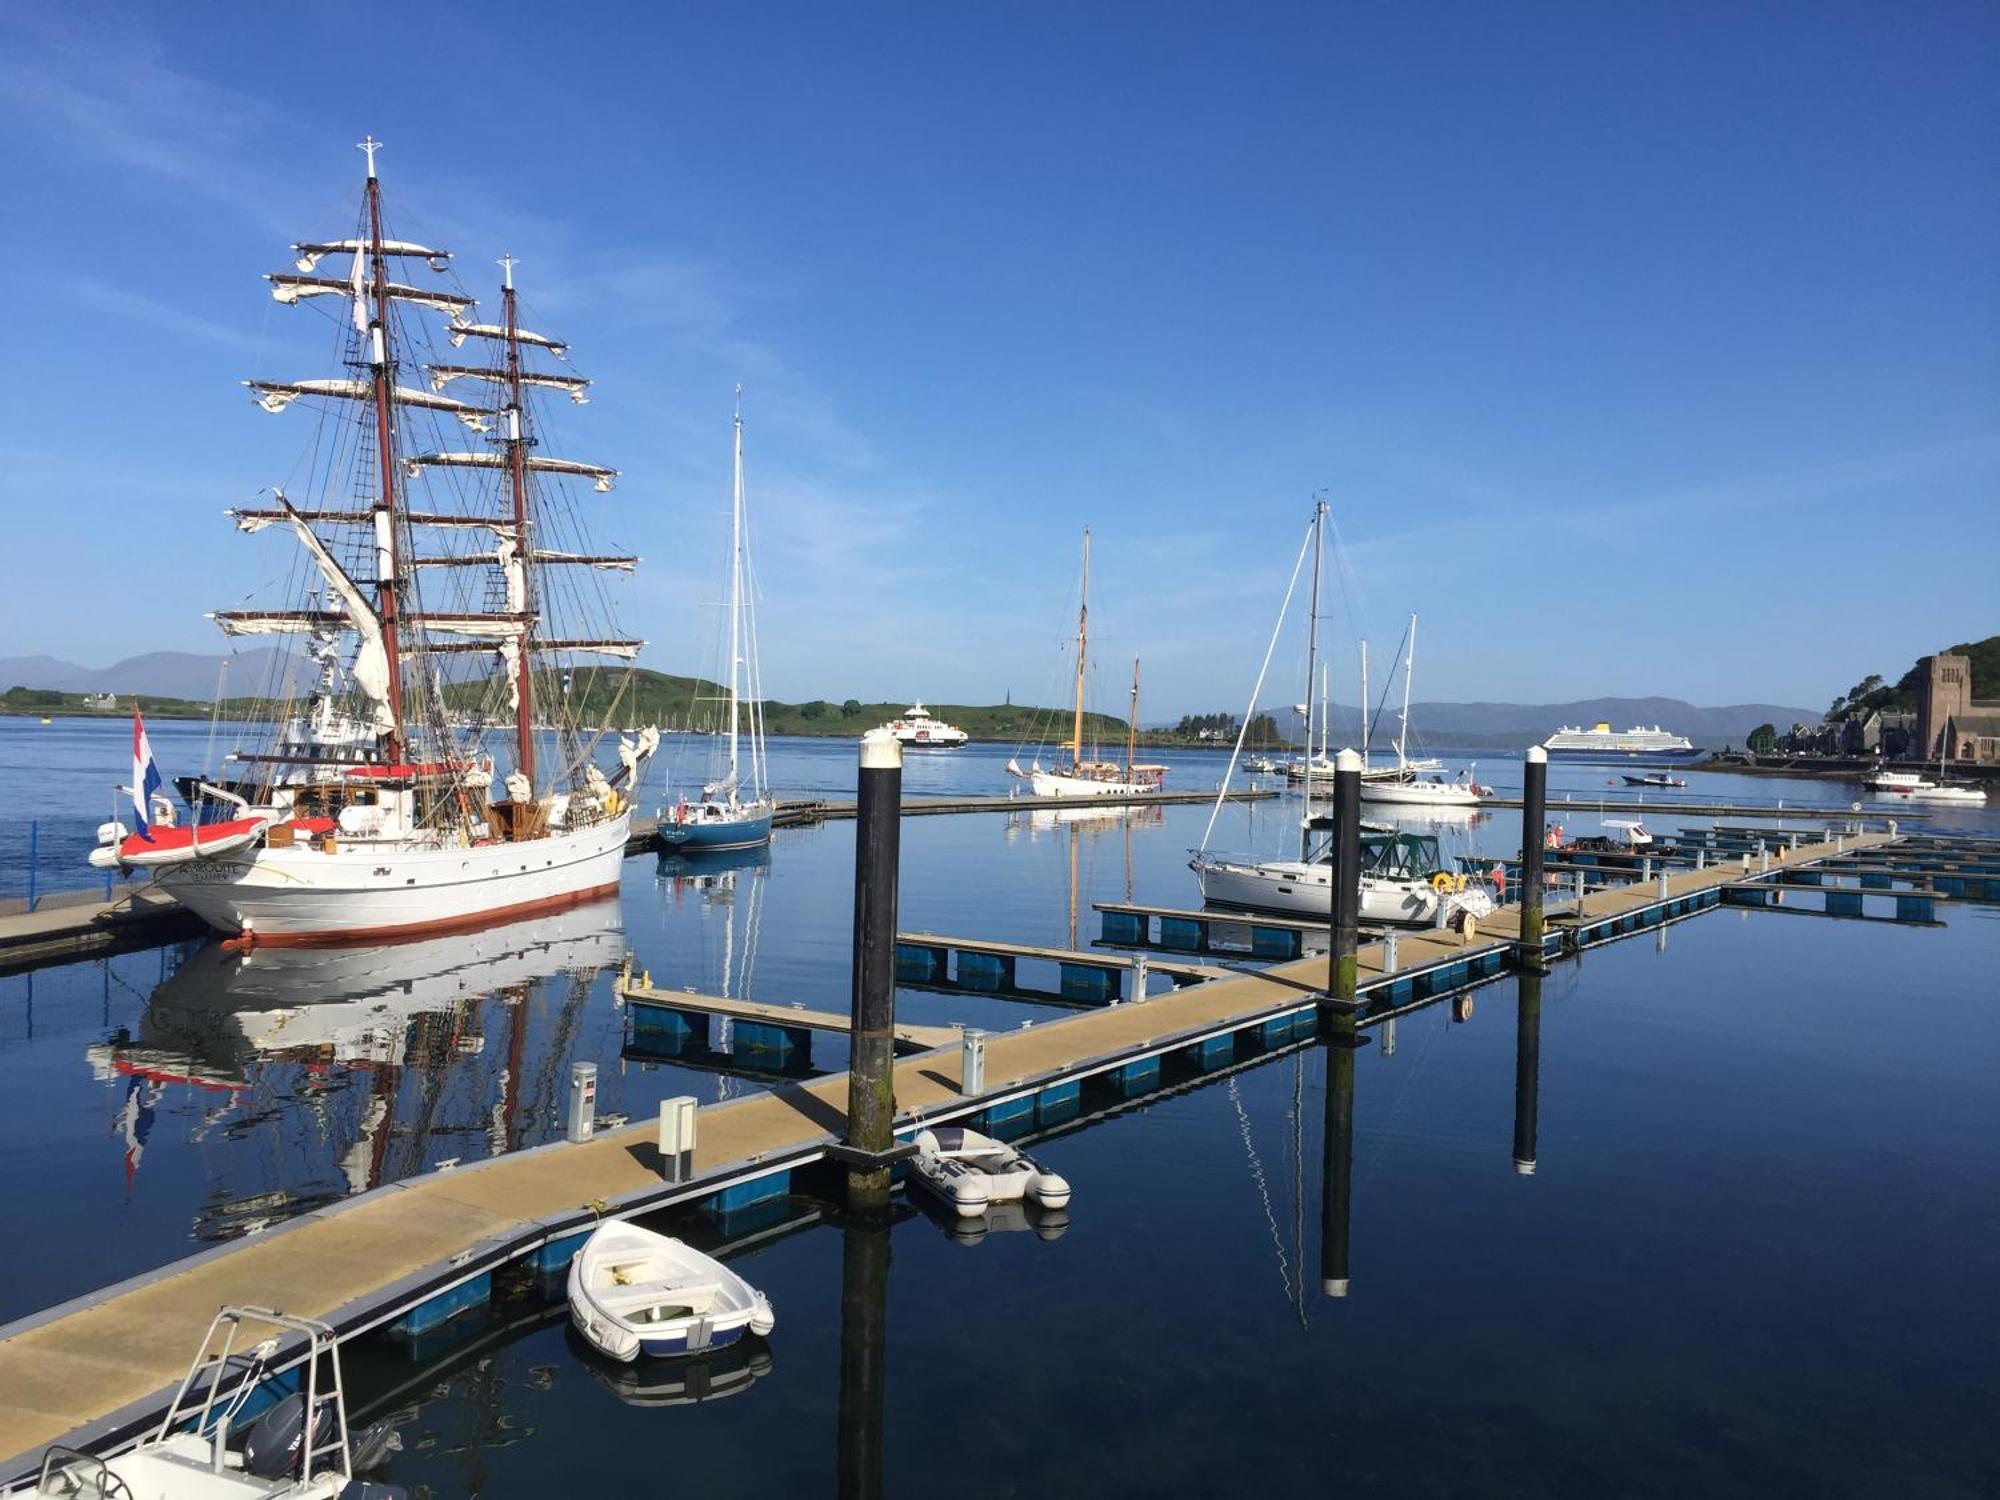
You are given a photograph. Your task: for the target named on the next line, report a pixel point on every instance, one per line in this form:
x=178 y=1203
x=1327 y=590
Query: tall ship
x=450 y=597
x=917 y=729
x=1604 y=745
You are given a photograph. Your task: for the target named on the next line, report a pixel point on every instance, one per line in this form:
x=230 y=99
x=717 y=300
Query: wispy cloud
x=126 y=303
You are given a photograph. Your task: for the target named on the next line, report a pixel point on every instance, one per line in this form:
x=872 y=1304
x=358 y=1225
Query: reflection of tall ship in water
x=351 y=1067
x=457 y=582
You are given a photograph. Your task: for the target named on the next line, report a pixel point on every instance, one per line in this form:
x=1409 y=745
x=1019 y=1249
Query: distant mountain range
x=163 y=674
x=187 y=674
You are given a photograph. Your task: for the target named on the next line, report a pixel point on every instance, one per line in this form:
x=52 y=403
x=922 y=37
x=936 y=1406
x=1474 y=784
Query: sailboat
x=1403 y=879
x=1415 y=783
x=406 y=829
x=1093 y=778
x=724 y=818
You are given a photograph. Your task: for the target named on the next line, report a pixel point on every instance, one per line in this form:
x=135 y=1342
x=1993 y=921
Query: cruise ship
x=1603 y=744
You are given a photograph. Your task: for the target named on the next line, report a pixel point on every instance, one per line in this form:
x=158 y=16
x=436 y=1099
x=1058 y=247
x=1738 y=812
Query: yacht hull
x=718 y=836
x=384 y=890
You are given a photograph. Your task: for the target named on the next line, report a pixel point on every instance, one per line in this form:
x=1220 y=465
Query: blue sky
x=1640 y=348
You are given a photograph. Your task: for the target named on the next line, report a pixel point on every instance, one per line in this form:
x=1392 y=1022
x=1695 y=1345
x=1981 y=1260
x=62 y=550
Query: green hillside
x=1872 y=693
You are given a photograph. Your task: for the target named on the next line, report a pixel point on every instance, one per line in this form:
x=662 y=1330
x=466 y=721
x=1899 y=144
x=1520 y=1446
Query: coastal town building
x=1950 y=723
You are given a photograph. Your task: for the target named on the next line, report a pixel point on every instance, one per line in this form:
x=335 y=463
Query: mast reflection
x=1527 y=1069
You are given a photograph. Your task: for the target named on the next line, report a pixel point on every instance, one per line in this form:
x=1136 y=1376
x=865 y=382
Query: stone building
x=1949 y=721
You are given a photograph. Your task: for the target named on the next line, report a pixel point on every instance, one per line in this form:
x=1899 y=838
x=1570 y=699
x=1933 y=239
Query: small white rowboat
x=633 y=1292
x=968 y=1171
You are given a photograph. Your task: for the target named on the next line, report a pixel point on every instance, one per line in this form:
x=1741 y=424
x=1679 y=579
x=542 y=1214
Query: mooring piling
x=1534 y=818
x=871 y=1094
x=1527 y=1067
x=1343 y=967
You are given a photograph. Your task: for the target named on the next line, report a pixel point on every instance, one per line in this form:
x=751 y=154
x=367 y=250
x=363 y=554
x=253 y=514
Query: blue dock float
x=433 y=1312
x=1140 y=1077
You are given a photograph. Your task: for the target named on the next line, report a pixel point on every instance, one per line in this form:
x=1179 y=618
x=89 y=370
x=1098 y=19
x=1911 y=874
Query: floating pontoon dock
x=95 y=1372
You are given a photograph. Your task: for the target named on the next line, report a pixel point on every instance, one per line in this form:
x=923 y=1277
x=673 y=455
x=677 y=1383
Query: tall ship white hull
x=445 y=590
x=367 y=892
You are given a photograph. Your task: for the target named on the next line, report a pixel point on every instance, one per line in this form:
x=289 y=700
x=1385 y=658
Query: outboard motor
x=273 y=1447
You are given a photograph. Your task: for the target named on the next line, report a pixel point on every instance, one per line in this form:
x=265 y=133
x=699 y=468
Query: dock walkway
x=94 y=1371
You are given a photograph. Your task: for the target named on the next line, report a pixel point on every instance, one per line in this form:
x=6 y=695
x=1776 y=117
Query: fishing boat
x=1092 y=778
x=238 y=1429
x=723 y=818
x=453 y=578
x=918 y=729
x=633 y=1292
x=1657 y=779
x=1624 y=843
x=969 y=1172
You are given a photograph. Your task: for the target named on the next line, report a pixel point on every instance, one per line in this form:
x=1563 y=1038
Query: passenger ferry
x=917 y=730
x=1603 y=744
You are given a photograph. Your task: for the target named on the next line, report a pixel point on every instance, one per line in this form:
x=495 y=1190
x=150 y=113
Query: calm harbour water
x=1755 y=1255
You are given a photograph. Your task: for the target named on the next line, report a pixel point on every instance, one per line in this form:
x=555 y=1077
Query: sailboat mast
x=1312 y=652
x=735 y=590
x=1082 y=639
x=519 y=595
x=1403 y=729
x=1132 y=729
x=1365 y=714
x=387 y=570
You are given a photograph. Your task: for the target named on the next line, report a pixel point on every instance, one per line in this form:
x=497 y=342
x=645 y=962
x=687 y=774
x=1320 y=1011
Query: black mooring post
x=1343 y=976
x=864 y=1321
x=1337 y=1153
x=1527 y=1067
x=871 y=1092
x=1534 y=820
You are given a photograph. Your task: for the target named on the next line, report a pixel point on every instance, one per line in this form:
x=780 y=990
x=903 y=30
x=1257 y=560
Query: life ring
x=1462 y=882
x=1441 y=882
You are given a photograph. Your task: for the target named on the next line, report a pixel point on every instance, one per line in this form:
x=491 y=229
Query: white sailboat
x=403 y=834
x=1403 y=879
x=1092 y=778
x=1416 y=783
x=723 y=818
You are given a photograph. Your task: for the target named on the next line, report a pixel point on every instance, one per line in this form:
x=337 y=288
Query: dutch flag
x=145 y=777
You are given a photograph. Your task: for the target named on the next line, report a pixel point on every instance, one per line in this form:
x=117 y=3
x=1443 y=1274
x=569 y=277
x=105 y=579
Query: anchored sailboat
x=1092 y=778
x=380 y=818
x=1416 y=782
x=724 y=818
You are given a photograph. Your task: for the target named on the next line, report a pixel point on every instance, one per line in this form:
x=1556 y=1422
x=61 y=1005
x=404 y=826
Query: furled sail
x=574 y=385
x=291 y=289
x=535 y=461
x=276 y=395
x=277 y=621
x=497 y=559
x=460 y=332
x=253 y=519
x=482 y=627
x=310 y=255
x=626 y=650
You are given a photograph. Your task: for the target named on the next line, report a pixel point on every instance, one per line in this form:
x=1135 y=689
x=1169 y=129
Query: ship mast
x=1082 y=637
x=387 y=573
x=1403 y=729
x=517 y=468
x=735 y=592
x=1132 y=729
x=1312 y=650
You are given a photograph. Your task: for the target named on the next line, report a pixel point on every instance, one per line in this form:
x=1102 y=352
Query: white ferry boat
x=917 y=730
x=1603 y=744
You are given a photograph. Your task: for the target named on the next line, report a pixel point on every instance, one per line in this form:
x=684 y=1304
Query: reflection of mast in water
x=1337 y=1164
x=864 y=1321
x=1527 y=1069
